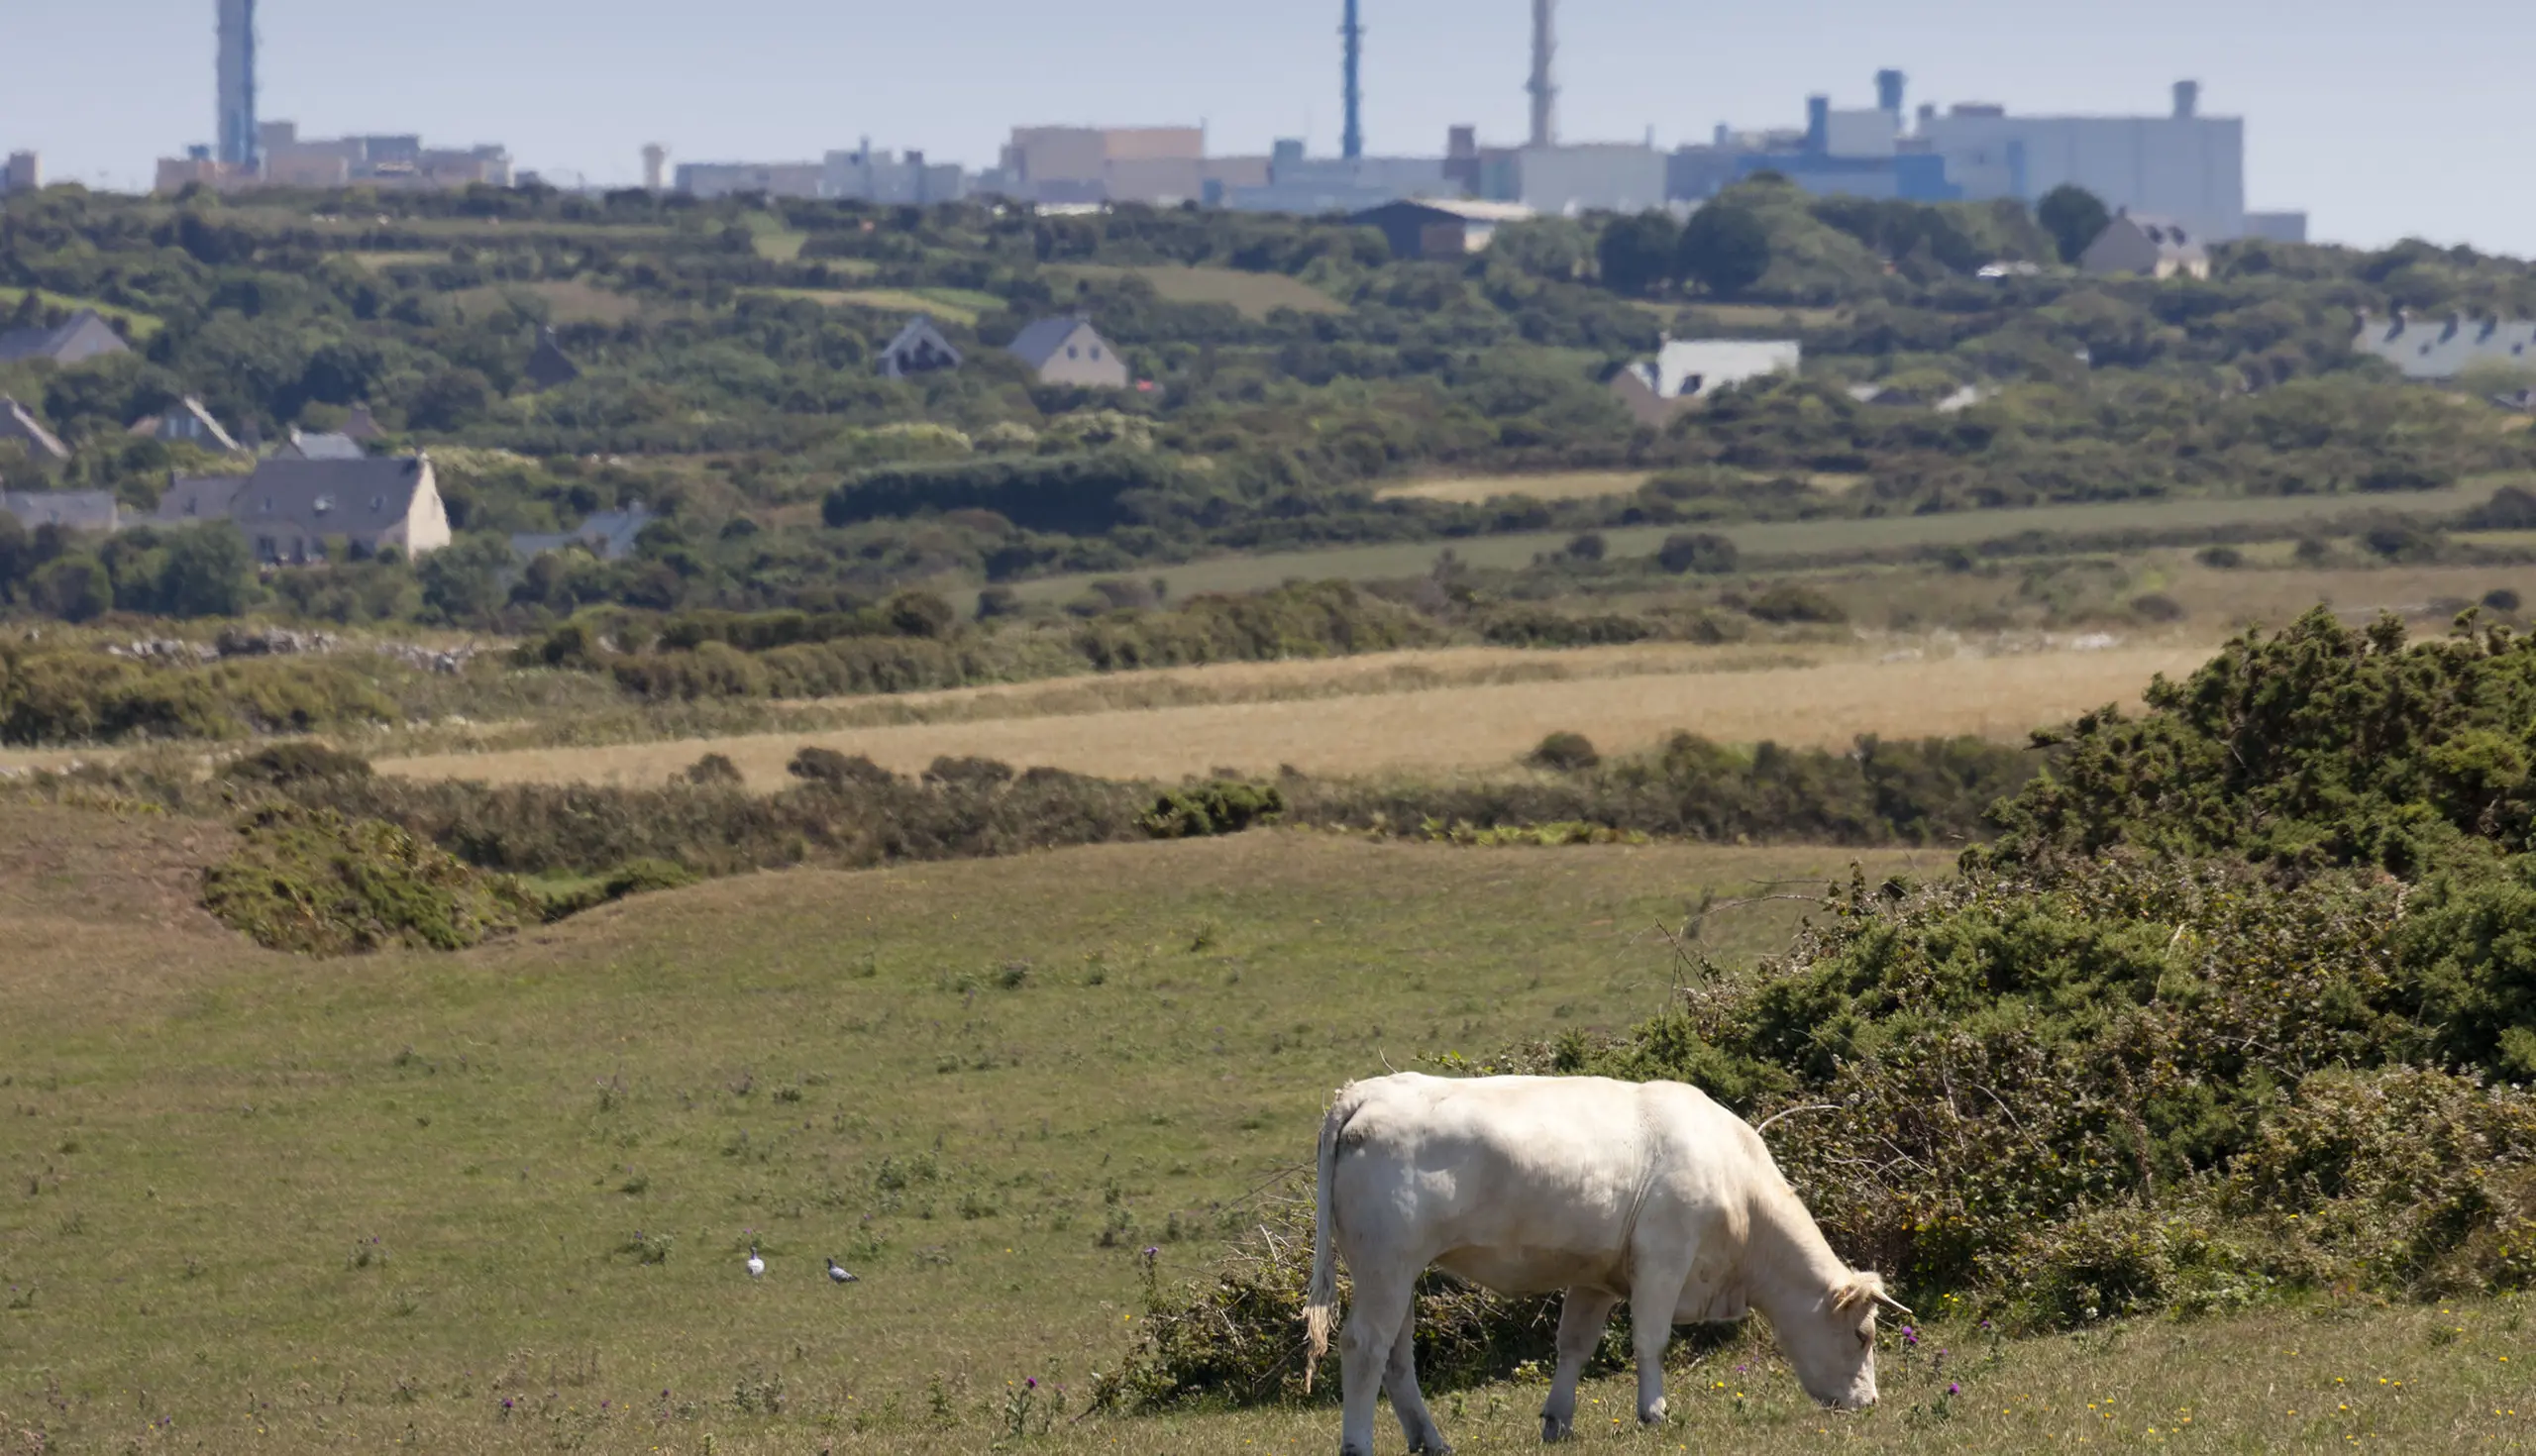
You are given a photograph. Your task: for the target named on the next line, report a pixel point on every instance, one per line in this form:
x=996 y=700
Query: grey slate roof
x=80 y=510
x=547 y=366
x=16 y=424
x=917 y=349
x=86 y=335
x=199 y=499
x=2443 y=347
x=302 y=445
x=1039 y=342
x=328 y=497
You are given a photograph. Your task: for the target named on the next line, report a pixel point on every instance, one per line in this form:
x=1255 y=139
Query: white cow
x=1606 y=1190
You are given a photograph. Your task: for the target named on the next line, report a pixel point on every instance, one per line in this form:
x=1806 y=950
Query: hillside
x=1300 y=376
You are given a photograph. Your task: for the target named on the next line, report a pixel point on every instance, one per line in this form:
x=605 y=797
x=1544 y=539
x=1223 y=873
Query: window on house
x=325 y=503
x=1073 y=353
x=378 y=503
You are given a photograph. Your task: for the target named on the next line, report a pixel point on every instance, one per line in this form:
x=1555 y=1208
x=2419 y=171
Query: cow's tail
x=1320 y=1303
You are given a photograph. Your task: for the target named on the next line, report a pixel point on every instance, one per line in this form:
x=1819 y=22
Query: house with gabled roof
x=2148 y=245
x=1069 y=351
x=78 y=510
x=289 y=509
x=84 y=337
x=187 y=422
x=17 y=423
x=919 y=349
x=548 y=365
x=1687 y=371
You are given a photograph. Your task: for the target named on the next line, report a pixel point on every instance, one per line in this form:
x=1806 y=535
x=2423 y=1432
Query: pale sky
x=2381 y=121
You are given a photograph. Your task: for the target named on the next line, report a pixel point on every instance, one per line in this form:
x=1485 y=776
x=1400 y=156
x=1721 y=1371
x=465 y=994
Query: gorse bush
x=1219 y=807
x=2182 y=1038
x=316 y=882
x=63 y=695
x=2319 y=745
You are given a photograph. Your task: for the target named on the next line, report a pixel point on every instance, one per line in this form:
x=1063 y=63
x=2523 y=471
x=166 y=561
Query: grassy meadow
x=1387 y=715
x=1255 y=295
x=2286 y=514
x=324 y=1202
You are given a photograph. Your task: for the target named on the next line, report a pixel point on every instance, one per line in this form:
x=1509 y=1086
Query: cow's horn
x=1894 y=1304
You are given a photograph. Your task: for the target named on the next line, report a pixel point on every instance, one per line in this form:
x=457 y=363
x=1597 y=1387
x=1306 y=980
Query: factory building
x=2184 y=165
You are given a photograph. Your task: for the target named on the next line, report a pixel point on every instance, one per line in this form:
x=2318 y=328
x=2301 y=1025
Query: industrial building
x=22 y=173
x=2182 y=165
x=236 y=86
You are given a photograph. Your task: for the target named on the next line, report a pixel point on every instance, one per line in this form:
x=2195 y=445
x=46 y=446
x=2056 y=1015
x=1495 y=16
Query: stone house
x=1687 y=371
x=2149 y=246
x=17 y=423
x=919 y=349
x=84 y=337
x=291 y=510
x=189 y=423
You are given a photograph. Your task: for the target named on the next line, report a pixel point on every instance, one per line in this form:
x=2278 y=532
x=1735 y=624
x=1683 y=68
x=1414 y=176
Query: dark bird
x=840 y=1274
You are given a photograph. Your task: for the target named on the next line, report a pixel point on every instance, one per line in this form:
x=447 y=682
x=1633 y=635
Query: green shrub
x=315 y=882
x=292 y=763
x=1220 y=807
x=713 y=769
x=1565 y=752
x=1700 y=552
x=827 y=766
x=1791 y=601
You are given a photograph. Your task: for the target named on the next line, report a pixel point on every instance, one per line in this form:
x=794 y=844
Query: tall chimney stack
x=2188 y=100
x=237 y=83
x=655 y=161
x=1352 y=143
x=1544 y=92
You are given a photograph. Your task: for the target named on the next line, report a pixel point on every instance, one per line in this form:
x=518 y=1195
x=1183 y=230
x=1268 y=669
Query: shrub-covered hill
x=2188 y=1036
x=728 y=380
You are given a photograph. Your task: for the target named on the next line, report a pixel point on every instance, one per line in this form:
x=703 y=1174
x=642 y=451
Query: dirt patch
x=106 y=869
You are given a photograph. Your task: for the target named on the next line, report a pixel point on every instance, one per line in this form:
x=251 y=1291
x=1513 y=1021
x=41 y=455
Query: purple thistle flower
x=1030 y=1381
x=1954 y=1389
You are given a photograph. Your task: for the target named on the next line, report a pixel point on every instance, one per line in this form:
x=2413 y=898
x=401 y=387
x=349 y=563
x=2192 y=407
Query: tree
x=1725 y=249
x=74 y=588
x=209 y=573
x=1635 y=254
x=450 y=399
x=2073 y=216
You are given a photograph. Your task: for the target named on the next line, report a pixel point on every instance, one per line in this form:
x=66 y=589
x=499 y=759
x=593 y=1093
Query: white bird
x=756 y=1265
x=840 y=1274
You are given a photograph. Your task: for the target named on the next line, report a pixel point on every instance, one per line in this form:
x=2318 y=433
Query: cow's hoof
x=1436 y=1447
x=1555 y=1430
x=1652 y=1415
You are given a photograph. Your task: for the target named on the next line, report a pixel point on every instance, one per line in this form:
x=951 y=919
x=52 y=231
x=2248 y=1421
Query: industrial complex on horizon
x=2180 y=165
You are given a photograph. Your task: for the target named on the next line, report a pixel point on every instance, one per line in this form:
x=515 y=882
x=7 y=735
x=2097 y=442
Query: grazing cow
x=1605 y=1190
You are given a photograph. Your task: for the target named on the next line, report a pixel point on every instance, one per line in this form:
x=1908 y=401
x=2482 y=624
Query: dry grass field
x=943 y=303
x=1455 y=727
x=1256 y=295
x=1481 y=489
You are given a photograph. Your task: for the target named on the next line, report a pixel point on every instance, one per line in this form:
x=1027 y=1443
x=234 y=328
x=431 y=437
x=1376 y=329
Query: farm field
x=1480 y=490
x=1466 y=726
x=954 y=304
x=333 y=1202
x=572 y=302
x=1256 y=295
x=1786 y=538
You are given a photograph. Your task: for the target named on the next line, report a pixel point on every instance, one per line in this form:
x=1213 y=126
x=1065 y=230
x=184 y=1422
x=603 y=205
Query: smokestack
x=654 y=161
x=1888 y=91
x=236 y=74
x=1351 y=142
x=2188 y=100
x=1545 y=95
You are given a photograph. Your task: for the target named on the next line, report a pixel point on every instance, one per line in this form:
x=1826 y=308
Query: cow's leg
x=1400 y=1379
x=1580 y=1329
x=1374 y=1321
x=1653 y=1296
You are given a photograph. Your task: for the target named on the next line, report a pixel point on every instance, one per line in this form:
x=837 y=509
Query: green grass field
x=143 y=324
x=957 y=305
x=1238 y=573
x=497 y=1202
x=1256 y=295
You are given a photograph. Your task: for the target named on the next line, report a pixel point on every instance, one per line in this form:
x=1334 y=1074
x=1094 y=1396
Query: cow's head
x=1833 y=1347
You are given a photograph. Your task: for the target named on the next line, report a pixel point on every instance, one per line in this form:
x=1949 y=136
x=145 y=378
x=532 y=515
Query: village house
x=2149 y=246
x=1687 y=371
x=186 y=422
x=919 y=349
x=85 y=336
x=290 y=509
x=77 y=510
x=1069 y=351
